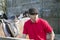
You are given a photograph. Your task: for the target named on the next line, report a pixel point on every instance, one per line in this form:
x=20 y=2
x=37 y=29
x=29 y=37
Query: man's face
x=33 y=17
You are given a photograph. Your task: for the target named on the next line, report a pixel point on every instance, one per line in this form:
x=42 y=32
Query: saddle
x=10 y=28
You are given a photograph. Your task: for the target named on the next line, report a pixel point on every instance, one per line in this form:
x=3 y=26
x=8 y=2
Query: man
x=37 y=28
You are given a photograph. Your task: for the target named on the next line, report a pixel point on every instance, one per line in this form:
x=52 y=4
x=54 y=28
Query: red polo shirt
x=37 y=30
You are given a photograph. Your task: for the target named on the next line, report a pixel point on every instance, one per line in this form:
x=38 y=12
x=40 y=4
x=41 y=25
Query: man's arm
x=52 y=35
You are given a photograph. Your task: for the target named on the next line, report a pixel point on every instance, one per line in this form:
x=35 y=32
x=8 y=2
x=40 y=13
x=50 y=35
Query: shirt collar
x=34 y=22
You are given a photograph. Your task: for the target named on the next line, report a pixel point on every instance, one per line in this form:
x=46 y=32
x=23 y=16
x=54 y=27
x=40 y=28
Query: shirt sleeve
x=47 y=27
x=25 y=31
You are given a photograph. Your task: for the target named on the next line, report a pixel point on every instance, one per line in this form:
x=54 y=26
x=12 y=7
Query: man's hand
x=52 y=36
x=24 y=36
